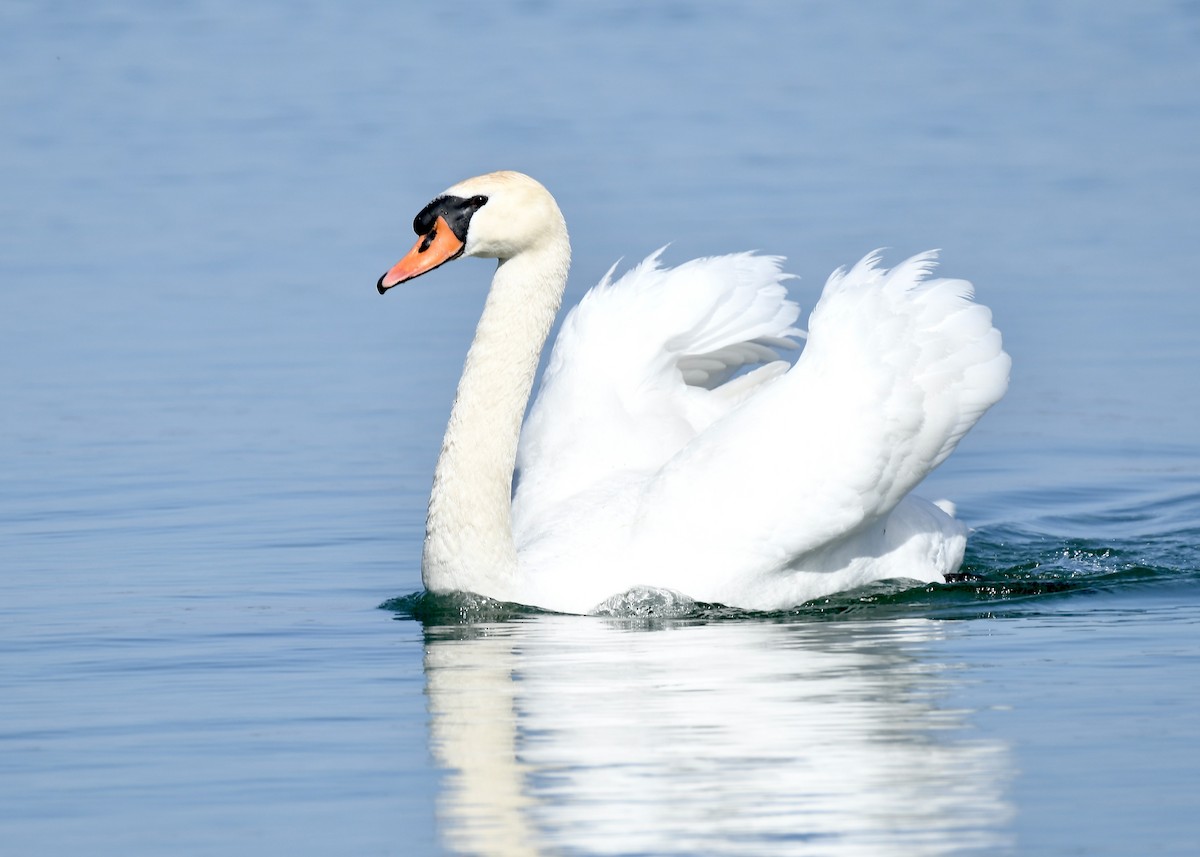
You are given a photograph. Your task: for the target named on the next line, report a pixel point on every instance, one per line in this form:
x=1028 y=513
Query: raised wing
x=642 y=365
x=896 y=369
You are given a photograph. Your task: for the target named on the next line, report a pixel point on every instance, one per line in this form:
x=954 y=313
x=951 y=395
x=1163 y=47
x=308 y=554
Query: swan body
x=670 y=446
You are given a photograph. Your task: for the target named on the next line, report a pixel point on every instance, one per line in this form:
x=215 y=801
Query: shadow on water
x=1007 y=572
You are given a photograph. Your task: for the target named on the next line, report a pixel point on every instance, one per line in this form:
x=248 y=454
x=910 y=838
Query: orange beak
x=432 y=250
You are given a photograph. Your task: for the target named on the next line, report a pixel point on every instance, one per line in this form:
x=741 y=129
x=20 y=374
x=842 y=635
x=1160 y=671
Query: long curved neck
x=468 y=534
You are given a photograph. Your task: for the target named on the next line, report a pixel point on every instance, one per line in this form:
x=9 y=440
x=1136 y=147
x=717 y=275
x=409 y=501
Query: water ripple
x=1007 y=570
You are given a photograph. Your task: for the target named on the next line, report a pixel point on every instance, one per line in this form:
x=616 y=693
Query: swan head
x=495 y=216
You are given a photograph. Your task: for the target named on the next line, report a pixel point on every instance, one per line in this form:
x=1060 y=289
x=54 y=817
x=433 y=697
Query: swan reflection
x=572 y=734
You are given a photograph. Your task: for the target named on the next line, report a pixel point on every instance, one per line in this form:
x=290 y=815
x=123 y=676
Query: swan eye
x=477 y=201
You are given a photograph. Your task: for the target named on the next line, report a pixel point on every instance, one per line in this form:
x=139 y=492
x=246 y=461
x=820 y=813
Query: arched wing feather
x=643 y=365
x=897 y=367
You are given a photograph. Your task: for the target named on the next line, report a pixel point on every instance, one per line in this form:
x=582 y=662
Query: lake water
x=217 y=440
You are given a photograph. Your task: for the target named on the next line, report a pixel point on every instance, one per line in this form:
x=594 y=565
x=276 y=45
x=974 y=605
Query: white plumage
x=669 y=445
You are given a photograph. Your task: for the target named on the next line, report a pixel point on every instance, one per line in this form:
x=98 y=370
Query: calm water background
x=217 y=440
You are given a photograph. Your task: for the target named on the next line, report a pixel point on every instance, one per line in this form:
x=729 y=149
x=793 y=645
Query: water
x=217 y=439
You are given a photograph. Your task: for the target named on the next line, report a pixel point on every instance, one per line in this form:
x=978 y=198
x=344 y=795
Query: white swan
x=646 y=461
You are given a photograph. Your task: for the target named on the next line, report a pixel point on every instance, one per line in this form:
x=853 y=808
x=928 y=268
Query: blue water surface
x=217 y=441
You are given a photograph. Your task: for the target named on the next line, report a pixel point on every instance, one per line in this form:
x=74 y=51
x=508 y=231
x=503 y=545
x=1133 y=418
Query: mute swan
x=647 y=462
